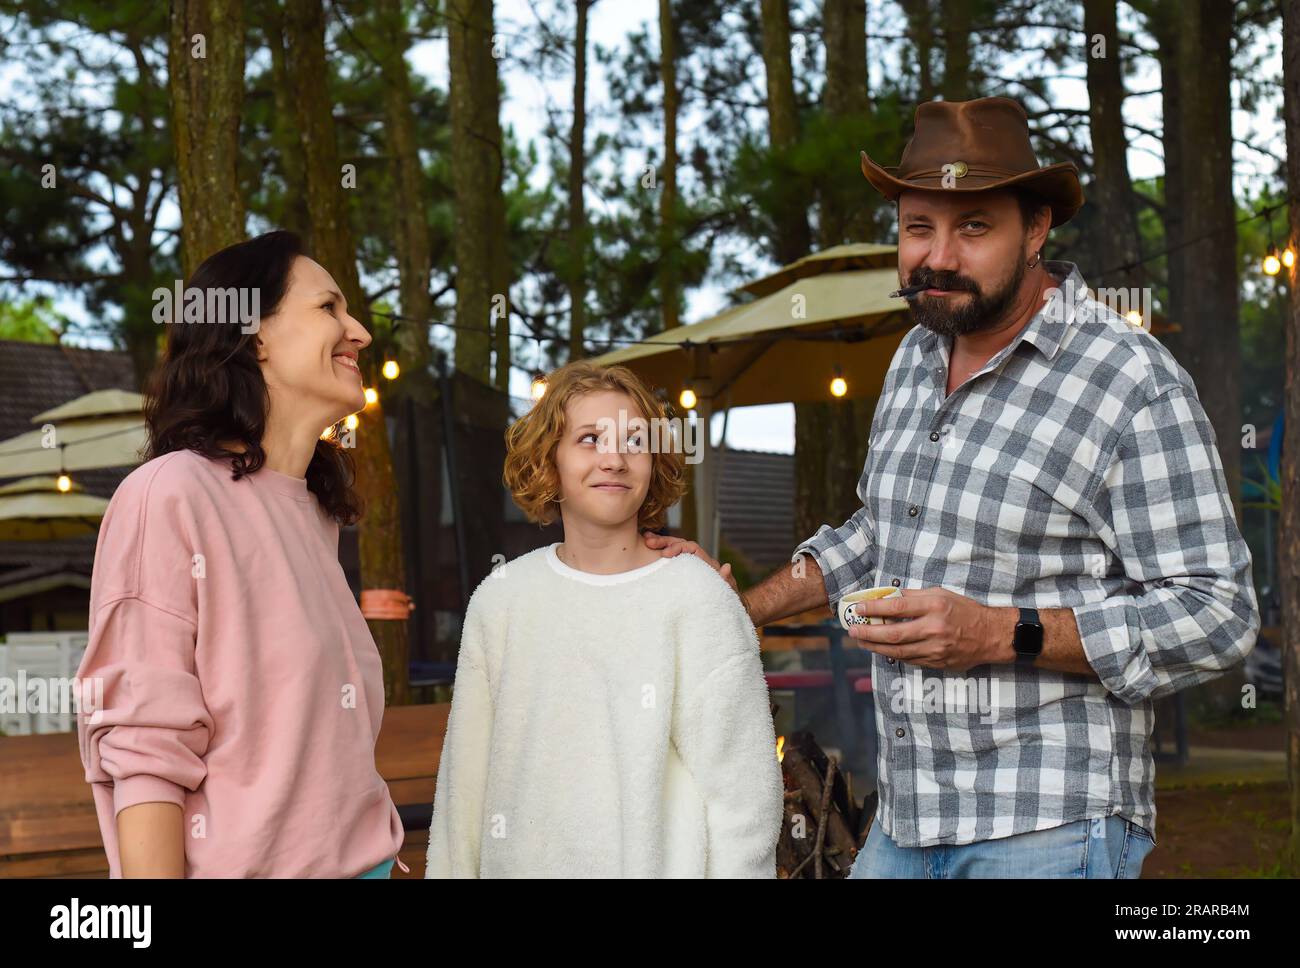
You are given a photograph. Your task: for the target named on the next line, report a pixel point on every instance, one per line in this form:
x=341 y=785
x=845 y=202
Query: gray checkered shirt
x=1077 y=469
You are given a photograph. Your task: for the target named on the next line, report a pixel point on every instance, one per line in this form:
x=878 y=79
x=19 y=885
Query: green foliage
x=90 y=111
x=1267 y=485
x=31 y=321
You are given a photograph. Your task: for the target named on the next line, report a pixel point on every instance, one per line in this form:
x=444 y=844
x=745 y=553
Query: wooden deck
x=48 y=826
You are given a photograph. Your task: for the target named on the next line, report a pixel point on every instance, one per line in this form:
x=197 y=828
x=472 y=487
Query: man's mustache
x=942 y=280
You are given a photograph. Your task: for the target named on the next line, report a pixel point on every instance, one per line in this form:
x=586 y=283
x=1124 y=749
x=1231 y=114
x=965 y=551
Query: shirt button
x=896 y=582
x=934 y=435
x=900 y=732
x=912 y=511
x=890 y=661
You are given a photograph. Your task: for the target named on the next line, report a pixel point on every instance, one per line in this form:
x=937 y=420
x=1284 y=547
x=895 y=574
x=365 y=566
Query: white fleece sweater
x=607 y=726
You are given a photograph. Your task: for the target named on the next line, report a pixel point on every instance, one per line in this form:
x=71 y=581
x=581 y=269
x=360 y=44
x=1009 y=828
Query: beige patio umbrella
x=101 y=429
x=34 y=509
x=825 y=315
x=829 y=309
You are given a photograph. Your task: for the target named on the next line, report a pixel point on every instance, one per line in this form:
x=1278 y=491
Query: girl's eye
x=587 y=436
x=328 y=305
x=634 y=444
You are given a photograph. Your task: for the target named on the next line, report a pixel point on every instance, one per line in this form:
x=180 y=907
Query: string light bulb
x=63 y=482
x=391 y=369
x=351 y=421
x=839 y=386
x=1134 y=318
x=688 y=399
x=372 y=395
x=1288 y=257
x=1272 y=264
x=538 y=388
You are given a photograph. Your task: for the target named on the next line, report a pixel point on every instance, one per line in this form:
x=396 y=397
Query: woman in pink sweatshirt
x=242 y=691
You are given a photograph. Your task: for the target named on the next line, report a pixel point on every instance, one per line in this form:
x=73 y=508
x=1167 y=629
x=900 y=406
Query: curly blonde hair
x=530 y=471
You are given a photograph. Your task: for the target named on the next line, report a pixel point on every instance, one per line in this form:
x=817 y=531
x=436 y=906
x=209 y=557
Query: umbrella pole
x=716 y=482
x=705 y=505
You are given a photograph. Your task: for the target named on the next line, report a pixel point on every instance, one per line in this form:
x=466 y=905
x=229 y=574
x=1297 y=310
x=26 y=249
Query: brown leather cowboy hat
x=974 y=146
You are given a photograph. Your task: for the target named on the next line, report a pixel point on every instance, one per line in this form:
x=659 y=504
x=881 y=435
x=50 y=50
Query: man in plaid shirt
x=1043 y=485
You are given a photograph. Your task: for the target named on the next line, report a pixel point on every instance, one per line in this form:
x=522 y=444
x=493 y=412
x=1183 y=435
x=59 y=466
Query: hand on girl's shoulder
x=704 y=579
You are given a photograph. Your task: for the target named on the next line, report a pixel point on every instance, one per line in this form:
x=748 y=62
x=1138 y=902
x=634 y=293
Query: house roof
x=756 y=505
x=35 y=377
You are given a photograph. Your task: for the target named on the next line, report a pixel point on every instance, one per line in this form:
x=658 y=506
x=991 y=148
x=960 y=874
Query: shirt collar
x=1046 y=330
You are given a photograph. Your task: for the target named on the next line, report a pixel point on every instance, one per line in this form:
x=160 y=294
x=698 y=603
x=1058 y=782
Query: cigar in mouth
x=907 y=291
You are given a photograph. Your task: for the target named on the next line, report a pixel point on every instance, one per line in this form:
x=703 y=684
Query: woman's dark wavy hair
x=209 y=388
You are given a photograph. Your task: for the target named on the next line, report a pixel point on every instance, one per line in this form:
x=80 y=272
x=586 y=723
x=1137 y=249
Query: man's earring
x=1038 y=257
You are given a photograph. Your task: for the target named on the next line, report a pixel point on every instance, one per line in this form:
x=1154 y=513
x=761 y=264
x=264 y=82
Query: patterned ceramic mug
x=849 y=618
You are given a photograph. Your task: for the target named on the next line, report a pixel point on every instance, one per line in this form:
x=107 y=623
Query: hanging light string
x=1287 y=258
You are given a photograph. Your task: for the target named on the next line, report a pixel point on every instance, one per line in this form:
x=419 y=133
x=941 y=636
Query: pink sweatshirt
x=239 y=679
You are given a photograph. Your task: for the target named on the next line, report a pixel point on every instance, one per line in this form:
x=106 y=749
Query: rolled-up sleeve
x=146 y=729
x=846 y=555
x=1161 y=507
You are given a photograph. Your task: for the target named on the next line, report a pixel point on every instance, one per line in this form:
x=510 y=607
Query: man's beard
x=980 y=311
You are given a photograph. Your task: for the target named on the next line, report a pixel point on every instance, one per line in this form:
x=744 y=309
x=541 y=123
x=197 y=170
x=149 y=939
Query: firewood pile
x=823 y=827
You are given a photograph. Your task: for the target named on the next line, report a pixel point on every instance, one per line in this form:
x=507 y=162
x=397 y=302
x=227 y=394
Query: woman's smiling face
x=310 y=346
x=603 y=480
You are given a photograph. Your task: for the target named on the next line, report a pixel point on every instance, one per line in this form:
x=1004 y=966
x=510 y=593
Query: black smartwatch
x=1028 y=641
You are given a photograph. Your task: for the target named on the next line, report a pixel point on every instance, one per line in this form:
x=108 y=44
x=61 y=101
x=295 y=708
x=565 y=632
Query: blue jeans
x=1109 y=848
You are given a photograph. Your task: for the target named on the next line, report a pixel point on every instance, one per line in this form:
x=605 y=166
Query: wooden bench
x=48 y=826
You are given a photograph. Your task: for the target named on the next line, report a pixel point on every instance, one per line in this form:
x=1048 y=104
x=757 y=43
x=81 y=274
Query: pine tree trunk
x=669 y=293
x=479 y=402
x=330 y=235
x=205 y=59
x=1211 y=337
x=921 y=32
x=956 y=18
x=414 y=260
x=1111 y=191
x=793 y=238
x=482 y=270
x=293 y=214
x=577 y=179
x=845 y=98
x=416 y=461
x=1164 y=26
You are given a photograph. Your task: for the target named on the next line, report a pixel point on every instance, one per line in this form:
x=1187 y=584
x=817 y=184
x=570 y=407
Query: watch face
x=1029 y=639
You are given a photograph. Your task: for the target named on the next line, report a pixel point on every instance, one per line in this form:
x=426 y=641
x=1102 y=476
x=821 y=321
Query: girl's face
x=309 y=348
x=603 y=459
